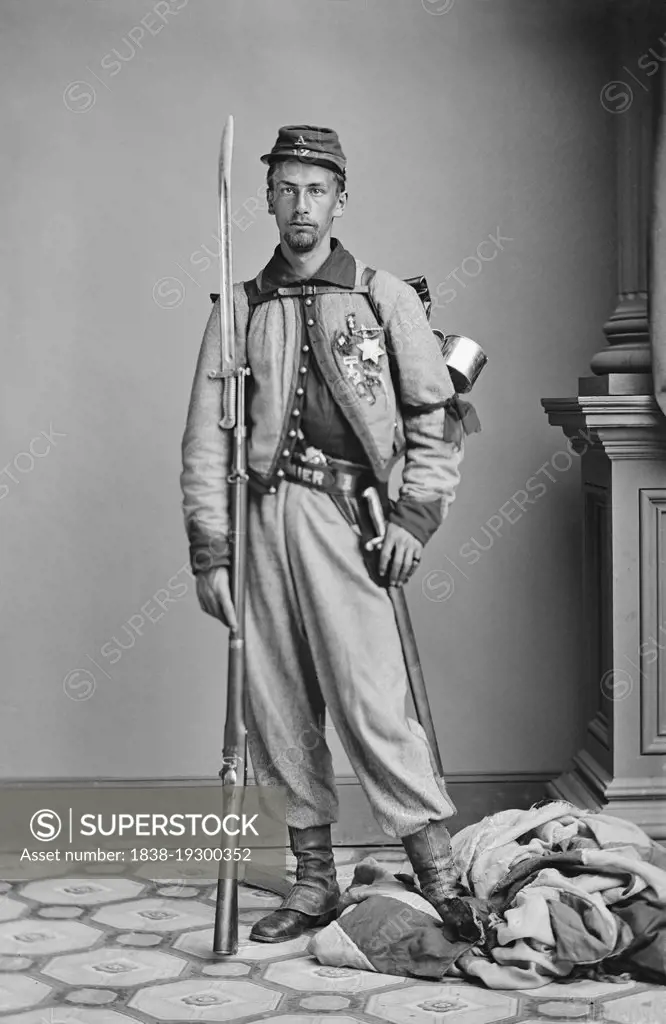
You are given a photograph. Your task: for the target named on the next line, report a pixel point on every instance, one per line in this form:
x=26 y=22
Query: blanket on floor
x=544 y=894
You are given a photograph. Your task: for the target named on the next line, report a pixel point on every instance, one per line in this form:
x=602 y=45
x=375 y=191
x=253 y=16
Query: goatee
x=302 y=239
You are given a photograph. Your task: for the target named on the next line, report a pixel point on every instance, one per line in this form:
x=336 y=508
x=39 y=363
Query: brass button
x=286 y=453
x=295 y=412
x=306 y=348
x=292 y=433
x=272 y=490
x=280 y=472
x=303 y=369
x=308 y=302
x=299 y=391
x=310 y=322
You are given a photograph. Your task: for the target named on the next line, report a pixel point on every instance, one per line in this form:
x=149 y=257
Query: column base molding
x=628 y=326
x=617 y=384
x=627 y=357
x=639 y=800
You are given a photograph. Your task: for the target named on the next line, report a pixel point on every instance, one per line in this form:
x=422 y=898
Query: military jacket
x=384 y=371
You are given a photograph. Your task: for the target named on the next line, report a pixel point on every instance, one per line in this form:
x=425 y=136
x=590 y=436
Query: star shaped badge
x=370 y=349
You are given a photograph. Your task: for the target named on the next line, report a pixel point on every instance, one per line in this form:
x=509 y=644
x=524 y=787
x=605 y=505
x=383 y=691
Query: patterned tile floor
x=99 y=949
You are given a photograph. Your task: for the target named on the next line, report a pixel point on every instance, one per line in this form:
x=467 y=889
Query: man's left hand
x=402 y=552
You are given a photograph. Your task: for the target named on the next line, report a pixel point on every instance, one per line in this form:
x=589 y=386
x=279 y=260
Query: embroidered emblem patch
x=361 y=353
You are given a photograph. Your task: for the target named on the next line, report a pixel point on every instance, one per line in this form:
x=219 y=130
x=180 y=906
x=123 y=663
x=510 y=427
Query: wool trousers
x=322 y=641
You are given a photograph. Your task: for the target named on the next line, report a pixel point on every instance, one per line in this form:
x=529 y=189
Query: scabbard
x=354 y=511
x=415 y=672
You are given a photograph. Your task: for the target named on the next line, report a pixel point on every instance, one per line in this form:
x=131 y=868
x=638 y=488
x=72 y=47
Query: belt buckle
x=313 y=456
x=315 y=469
x=310 y=467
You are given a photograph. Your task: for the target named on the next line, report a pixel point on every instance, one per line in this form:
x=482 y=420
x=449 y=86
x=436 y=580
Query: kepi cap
x=310 y=144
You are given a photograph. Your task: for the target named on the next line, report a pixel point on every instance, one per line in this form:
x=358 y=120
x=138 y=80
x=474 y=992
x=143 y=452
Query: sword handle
x=229 y=385
x=371 y=495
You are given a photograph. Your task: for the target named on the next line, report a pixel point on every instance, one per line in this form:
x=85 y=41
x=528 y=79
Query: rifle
x=225 y=932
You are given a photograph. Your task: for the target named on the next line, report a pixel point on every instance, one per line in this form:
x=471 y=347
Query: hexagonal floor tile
x=647 y=1007
x=325 y=1002
x=201 y=944
x=569 y=1010
x=114 y=965
x=309 y=1018
x=81 y=891
x=17 y=991
x=419 y=1004
x=15 y=963
x=207 y=999
x=192 y=874
x=37 y=938
x=224 y=970
x=189 y=873
x=256 y=899
x=91 y=996
x=156 y=915
x=251 y=917
x=305 y=974
x=12 y=871
x=579 y=989
x=251 y=899
x=182 y=892
x=70 y=1015
x=10 y=909
x=64 y=913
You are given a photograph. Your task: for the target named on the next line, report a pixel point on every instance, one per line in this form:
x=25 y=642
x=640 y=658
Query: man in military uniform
x=346 y=378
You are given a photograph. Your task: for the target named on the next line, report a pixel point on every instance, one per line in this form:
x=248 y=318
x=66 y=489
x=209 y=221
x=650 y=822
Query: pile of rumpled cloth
x=545 y=893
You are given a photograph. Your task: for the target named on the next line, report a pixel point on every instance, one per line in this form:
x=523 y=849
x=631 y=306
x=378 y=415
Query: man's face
x=304 y=201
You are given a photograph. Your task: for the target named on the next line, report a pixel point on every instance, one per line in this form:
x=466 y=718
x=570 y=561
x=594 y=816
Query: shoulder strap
x=251 y=290
x=364 y=276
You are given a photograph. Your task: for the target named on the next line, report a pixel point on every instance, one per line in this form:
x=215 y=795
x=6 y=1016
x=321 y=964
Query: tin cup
x=464 y=358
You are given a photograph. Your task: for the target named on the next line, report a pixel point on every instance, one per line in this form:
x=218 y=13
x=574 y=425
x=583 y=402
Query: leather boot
x=313 y=900
x=429 y=851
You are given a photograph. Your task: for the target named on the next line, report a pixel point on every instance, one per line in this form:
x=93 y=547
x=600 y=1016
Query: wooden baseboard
x=635 y=803
x=475 y=795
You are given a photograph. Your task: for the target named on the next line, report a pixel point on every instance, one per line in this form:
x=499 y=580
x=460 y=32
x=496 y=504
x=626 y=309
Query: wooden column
x=658 y=296
x=619 y=429
x=623 y=366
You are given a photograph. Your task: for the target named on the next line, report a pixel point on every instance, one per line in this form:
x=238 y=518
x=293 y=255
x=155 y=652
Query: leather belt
x=335 y=476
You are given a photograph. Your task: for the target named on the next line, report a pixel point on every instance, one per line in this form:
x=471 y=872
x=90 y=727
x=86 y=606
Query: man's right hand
x=214 y=593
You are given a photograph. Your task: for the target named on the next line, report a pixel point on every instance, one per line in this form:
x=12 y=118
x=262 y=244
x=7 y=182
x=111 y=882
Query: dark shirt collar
x=339 y=268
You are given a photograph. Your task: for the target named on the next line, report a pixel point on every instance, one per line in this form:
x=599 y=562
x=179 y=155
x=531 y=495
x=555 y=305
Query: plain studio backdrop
x=472 y=128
